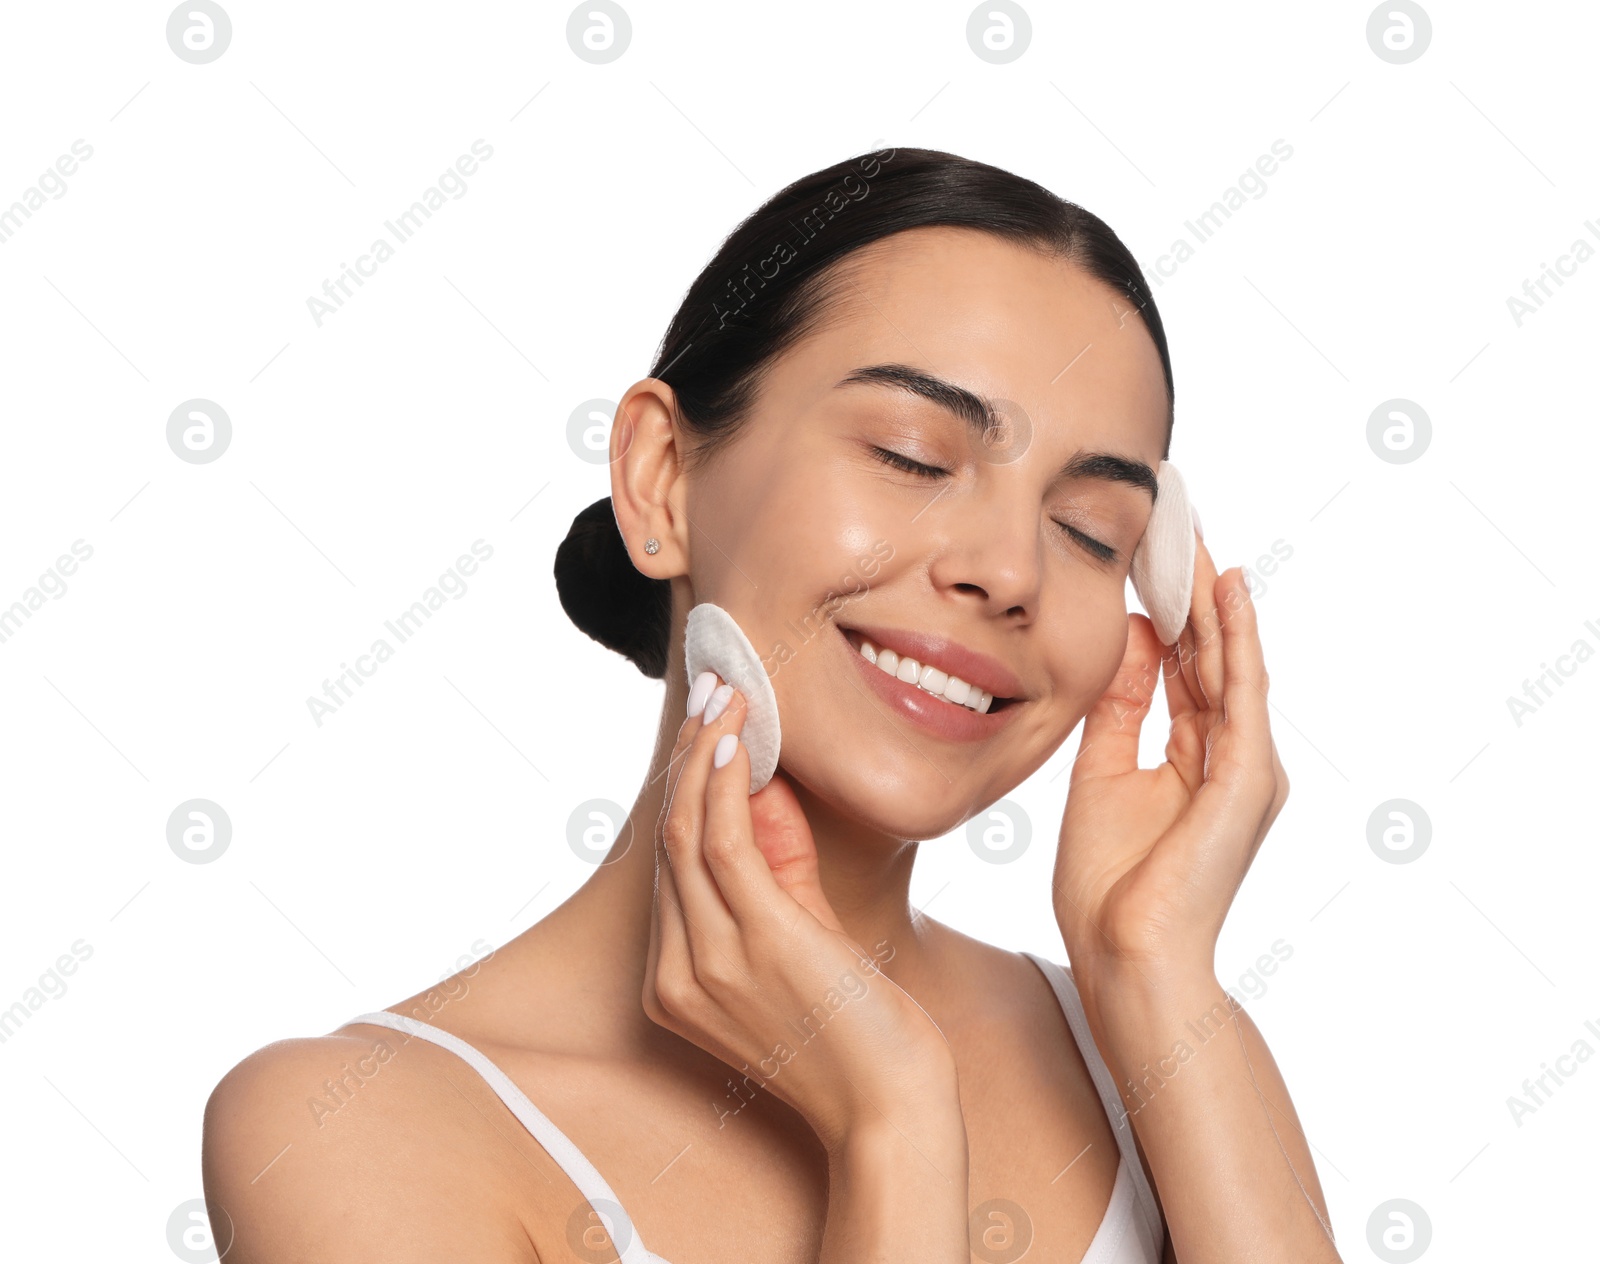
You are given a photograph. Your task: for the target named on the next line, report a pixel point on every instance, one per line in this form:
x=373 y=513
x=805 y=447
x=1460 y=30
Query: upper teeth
x=927 y=677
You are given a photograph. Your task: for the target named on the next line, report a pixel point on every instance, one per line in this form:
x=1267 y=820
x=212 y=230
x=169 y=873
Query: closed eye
x=907 y=464
x=1103 y=552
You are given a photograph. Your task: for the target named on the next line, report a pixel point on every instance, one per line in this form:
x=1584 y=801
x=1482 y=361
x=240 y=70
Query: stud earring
x=652 y=545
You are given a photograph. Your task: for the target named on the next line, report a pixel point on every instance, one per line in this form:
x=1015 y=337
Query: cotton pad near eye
x=713 y=641
x=1163 y=562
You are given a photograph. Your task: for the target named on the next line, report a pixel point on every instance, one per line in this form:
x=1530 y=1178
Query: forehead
x=1000 y=319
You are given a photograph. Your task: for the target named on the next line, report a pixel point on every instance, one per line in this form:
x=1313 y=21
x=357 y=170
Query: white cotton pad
x=1163 y=562
x=712 y=641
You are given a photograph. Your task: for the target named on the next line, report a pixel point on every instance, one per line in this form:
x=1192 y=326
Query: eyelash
x=1104 y=552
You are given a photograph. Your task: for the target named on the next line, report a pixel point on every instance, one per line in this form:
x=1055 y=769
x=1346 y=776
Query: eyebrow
x=982 y=416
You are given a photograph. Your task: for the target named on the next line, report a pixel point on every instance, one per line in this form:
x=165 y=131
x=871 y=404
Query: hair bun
x=606 y=595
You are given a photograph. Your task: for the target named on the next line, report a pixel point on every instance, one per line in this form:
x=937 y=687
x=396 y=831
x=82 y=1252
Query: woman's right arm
x=742 y=941
x=897 y=1189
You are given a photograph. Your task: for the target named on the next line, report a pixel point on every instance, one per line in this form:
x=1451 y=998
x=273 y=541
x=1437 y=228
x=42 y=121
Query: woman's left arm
x=1213 y=1116
x=1148 y=865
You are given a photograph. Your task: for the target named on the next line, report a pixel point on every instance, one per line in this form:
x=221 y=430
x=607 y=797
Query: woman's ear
x=648 y=489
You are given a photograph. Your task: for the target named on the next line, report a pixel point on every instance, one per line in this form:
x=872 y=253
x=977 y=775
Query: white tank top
x=1131 y=1231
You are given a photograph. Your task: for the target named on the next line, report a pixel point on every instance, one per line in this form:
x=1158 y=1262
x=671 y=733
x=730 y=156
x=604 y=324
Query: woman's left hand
x=1150 y=859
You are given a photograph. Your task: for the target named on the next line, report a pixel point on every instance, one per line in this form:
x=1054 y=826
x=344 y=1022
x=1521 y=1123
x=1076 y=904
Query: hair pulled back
x=769 y=285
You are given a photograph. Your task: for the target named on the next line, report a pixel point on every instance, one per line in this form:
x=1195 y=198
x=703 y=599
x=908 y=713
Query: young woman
x=914 y=404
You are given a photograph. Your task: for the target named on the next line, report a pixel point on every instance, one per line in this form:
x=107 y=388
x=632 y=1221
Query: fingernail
x=704 y=683
x=1195 y=514
x=726 y=745
x=718 y=703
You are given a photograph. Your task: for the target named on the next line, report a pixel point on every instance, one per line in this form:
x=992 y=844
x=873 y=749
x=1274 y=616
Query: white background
x=370 y=853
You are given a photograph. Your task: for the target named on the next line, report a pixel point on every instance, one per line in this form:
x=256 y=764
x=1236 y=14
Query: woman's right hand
x=748 y=961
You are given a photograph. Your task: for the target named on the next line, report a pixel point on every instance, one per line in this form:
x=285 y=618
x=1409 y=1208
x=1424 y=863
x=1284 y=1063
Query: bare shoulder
x=353 y=1147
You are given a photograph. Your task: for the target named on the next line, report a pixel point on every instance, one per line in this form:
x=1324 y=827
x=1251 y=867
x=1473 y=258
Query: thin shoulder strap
x=1121 y=1125
x=571 y=1160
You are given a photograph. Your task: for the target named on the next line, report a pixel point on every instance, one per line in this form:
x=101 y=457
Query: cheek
x=799 y=559
x=787 y=560
x=783 y=522
x=1089 y=640
x=820 y=528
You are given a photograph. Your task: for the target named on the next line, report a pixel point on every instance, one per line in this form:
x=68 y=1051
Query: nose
x=990 y=547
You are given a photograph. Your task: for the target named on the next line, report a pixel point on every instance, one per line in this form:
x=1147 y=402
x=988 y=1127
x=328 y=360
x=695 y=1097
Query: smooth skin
x=950 y=1080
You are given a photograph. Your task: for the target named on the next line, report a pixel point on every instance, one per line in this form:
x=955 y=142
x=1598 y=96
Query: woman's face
x=802 y=531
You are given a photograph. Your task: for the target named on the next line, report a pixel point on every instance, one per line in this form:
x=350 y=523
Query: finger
x=669 y=938
x=667 y=956
x=784 y=836
x=1181 y=698
x=761 y=851
x=1280 y=778
x=1239 y=779
x=1244 y=698
x=1205 y=666
x=683 y=832
x=705 y=684
x=1186 y=741
x=1280 y=793
x=670 y=960
x=1239 y=766
x=1189 y=658
x=733 y=859
x=1110 y=740
x=674 y=768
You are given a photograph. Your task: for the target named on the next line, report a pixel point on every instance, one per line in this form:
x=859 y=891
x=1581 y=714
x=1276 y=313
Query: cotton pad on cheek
x=713 y=641
x=1163 y=562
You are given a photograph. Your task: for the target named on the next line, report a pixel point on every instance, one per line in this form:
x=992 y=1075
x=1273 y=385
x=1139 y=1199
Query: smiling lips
x=924 y=676
x=945 y=659
x=919 y=689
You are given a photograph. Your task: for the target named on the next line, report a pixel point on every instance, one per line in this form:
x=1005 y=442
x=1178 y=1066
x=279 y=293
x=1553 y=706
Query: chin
x=894 y=800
